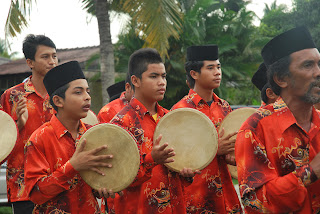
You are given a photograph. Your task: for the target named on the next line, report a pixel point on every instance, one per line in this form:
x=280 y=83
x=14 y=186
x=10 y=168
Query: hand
x=230 y=159
x=187 y=172
x=88 y=160
x=315 y=165
x=160 y=154
x=226 y=145
x=22 y=112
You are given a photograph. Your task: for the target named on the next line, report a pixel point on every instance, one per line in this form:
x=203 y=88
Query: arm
x=42 y=184
x=262 y=188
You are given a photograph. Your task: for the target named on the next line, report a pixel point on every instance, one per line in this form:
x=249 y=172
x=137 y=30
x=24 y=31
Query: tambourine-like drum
x=8 y=135
x=125 y=161
x=192 y=135
x=90 y=119
x=232 y=123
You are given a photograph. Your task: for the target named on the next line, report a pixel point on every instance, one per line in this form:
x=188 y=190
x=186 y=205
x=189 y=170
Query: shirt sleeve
x=106 y=115
x=261 y=188
x=42 y=184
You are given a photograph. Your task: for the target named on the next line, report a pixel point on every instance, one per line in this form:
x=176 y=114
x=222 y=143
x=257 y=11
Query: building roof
x=64 y=55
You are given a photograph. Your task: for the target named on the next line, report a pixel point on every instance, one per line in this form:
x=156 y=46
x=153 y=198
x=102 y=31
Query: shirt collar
x=123 y=98
x=60 y=130
x=29 y=88
x=281 y=109
x=198 y=100
x=142 y=111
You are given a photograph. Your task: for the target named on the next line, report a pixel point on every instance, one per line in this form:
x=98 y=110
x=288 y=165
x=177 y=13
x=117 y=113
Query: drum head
x=234 y=120
x=90 y=119
x=8 y=135
x=125 y=161
x=192 y=135
x=232 y=123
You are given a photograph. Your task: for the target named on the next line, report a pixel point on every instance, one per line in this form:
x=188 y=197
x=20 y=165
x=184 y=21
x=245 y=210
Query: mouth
x=86 y=107
x=162 y=91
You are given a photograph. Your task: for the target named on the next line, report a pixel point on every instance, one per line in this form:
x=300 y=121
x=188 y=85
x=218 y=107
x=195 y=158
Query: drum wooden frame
x=192 y=135
x=8 y=135
x=125 y=161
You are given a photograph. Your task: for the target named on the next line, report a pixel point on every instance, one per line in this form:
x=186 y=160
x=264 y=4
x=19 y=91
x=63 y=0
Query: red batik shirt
x=51 y=181
x=273 y=154
x=39 y=112
x=111 y=109
x=155 y=189
x=212 y=191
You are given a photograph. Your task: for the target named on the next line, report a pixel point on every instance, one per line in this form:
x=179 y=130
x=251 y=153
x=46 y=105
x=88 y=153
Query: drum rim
x=11 y=126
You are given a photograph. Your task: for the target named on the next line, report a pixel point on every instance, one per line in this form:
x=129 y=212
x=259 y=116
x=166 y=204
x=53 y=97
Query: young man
x=155 y=189
x=260 y=80
x=212 y=191
x=277 y=151
x=111 y=109
x=28 y=104
x=52 y=157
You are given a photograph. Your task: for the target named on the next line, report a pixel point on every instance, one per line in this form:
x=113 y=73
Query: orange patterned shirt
x=212 y=191
x=51 y=181
x=155 y=189
x=273 y=154
x=111 y=109
x=39 y=111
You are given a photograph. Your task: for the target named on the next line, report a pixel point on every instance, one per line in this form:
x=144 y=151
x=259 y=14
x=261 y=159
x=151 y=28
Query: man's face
x=210 y=75
x=152 y=85
x=44 y=60
x=304 y=78
x=77 y=99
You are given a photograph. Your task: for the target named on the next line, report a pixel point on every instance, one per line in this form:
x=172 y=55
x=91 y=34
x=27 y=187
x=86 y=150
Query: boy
x=155 y=189
x=111 y=109
x=28 y=104
x=52 y=158
x=212 y=191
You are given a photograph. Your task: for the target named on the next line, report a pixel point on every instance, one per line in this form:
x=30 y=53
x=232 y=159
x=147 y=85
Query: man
x=28 y=104
x=111 y=109
x=260 y=80
x=277 y=150
x=155 y=189
x=212 y=191
x=52 y=157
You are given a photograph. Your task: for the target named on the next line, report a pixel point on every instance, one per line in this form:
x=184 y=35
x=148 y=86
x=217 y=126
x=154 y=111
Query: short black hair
x=140 y=59
x=31 y=43
x=280 y=69
x=264 y=96
x=192 y=65
x=61 y=92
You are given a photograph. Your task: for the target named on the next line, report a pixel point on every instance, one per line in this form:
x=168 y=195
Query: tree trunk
x=106 y=48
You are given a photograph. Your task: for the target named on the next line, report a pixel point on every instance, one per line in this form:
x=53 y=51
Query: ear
x=270 y=94
x=135 y=81
x=127 y=86
x=194 y=74
x=283 y=83
x=58 y=101
x=30 y=63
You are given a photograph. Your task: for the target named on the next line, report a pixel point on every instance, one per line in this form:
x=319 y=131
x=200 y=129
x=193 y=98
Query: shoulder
x=186 y=101
x=253 y=121
x=42 y=133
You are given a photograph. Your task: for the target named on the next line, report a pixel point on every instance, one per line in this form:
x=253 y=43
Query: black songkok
x=260 y=78
x=115 y=90
x=287 y=43
x=61 y=75
x=202 y=52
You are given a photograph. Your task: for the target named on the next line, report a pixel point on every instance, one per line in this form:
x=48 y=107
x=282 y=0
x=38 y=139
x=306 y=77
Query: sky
x=69 y=26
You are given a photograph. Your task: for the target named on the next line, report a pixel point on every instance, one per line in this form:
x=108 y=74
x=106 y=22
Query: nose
x=53 y=61
x=162 y=81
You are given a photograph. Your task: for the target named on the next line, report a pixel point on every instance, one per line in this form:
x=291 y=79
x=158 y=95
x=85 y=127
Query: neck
x=149 y=105
x=72 y=125
x=205 y=94
x=37 y=82
x=301 y=111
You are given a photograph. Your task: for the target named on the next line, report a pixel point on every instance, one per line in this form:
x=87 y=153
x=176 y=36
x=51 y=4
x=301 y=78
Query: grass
x=5 y=210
